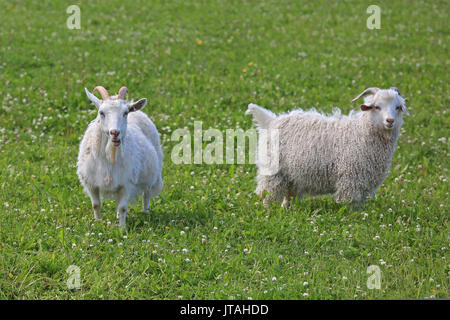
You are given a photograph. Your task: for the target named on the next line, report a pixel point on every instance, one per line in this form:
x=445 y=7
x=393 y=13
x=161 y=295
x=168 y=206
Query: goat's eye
x=399 y=108
x=125 y=114
x=102 y=114
x=377 y=107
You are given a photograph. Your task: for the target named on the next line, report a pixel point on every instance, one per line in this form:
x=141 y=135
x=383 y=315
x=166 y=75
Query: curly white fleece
x=345 y=155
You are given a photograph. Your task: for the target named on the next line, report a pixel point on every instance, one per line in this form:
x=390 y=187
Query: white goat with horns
x=120 y=155
x=345 y=155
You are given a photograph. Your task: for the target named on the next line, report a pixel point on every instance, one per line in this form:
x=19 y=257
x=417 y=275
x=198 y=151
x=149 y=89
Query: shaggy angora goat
x=120 y=154
x=345 y=155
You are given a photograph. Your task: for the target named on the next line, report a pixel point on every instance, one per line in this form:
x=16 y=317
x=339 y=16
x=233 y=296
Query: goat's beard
x=111 y=151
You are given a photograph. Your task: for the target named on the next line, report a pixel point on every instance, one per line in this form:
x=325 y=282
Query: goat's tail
x=260 y=115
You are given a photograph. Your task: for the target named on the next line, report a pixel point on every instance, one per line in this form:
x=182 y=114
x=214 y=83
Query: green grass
x=295 y=54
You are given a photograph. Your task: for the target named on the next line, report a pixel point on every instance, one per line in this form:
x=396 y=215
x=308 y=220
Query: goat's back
x=139 y=120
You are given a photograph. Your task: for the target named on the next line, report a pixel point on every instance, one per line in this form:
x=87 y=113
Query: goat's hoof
x=286 y=204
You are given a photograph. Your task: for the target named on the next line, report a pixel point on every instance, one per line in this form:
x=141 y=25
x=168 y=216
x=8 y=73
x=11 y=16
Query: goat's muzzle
x=389 y=123
x=115 y=137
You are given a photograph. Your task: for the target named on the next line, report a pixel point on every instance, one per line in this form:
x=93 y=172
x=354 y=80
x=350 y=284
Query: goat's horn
x=367 y=91
x=122 y=92
x=104 y=93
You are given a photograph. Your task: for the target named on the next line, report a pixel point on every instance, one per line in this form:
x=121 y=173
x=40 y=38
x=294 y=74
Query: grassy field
x=208 y=236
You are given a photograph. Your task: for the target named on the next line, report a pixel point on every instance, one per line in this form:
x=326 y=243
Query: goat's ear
x=96 y=101
x=365 y=107
x=137 y=105
x=404 y=110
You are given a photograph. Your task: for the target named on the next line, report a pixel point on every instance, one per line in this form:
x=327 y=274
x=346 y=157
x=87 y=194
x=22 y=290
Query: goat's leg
x=274 y=186
x=151 y=193
x=348 y=191
x=286 y=202
x=122 y=206
x=358 y=202
x=146 y=200
x=96 y=202
x=290 y=198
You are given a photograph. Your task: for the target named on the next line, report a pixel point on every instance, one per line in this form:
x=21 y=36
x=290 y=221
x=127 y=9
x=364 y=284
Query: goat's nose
x=390 y=121
x=114 y=133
